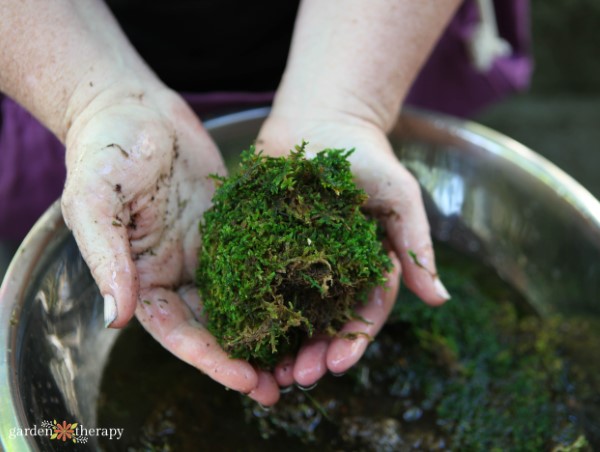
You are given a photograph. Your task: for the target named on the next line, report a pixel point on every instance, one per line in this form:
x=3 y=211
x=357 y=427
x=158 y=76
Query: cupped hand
x=137 y=185
x=395 y=199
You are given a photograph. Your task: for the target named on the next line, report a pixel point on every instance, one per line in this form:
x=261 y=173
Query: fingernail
x=440 y=289
x=264 y=408
x=338 y=374
x=306 y=388
x=110 y=310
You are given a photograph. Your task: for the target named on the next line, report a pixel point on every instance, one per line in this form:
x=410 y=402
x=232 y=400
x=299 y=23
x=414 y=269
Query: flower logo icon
x=64 y=431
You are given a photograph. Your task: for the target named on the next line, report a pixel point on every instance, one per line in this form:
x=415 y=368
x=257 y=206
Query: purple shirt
x=32 y=169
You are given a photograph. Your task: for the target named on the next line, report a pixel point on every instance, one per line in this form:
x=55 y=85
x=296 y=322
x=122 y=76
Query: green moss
x=286 y=253
x=496 y=376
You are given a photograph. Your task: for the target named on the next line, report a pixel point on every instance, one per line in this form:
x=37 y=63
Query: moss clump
x=286 y=253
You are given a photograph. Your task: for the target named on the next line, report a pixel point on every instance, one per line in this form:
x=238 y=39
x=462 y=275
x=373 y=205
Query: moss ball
x=286 y=253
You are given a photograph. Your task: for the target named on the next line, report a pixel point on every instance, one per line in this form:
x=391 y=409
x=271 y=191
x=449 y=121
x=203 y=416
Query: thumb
x=100 y=230
x=275 y=138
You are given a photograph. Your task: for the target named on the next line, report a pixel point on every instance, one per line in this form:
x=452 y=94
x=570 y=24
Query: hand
x=395 y=198
x=136 y=189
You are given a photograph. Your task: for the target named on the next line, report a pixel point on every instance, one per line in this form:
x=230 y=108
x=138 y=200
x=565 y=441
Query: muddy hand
x=136 y=189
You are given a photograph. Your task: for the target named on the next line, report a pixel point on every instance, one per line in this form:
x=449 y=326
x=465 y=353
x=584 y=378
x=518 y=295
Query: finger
x=343 y=352
x=310 y=363
x=408 y=230
x=104 y=244
x=284 y=372
x=167 y=319
x=267 y=391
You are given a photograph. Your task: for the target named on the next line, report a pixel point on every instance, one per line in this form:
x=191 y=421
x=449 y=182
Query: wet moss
x=496 y=374
x=286 y=253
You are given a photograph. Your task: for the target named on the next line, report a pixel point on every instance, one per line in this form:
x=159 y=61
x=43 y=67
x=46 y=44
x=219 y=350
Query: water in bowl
x=479 y=373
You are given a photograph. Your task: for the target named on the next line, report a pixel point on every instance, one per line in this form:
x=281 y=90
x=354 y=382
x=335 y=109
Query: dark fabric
x=211 y=45
x=31 y=170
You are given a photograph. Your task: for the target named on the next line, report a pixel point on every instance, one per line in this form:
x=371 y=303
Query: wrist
x=58 y=56
x=98 y=91
x=332 y=105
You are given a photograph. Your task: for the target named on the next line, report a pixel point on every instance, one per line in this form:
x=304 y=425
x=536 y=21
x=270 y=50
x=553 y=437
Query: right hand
x=136 y=189
x=394 y=198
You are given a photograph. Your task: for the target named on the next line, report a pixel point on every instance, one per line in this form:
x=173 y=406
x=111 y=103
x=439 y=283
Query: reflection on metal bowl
x=485 y=194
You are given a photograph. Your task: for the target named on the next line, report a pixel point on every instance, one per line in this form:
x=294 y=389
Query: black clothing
x=211 y=45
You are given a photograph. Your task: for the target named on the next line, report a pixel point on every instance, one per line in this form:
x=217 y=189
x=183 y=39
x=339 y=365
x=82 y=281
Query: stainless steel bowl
x=485 y=194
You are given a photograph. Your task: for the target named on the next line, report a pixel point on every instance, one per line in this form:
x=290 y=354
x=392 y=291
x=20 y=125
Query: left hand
x=394 y=198
x=136 y=189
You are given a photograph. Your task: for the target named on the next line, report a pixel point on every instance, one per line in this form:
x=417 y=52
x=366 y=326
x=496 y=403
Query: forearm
x=359 y=57
x=57 y=56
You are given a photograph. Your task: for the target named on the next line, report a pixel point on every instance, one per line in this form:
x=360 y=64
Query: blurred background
x=559 y=116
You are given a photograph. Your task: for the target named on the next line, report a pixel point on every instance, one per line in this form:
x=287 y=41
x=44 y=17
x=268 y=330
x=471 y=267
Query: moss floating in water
x=496 y=377
x=286 y=253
